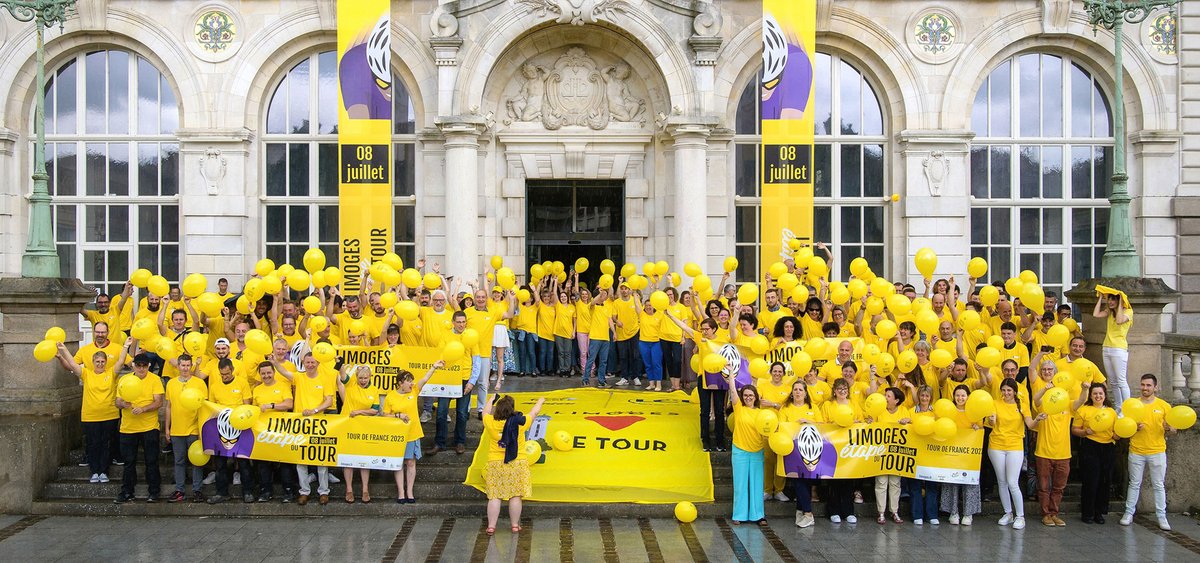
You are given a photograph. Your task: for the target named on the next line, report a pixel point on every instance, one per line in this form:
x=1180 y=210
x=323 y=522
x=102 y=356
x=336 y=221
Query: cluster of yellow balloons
x=45 y=350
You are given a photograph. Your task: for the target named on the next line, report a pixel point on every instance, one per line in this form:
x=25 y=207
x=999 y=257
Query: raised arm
x=537 y=408
x=68 y=363
x=1100 y=312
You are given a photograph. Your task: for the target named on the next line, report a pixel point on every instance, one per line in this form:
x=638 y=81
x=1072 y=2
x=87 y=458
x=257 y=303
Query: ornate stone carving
x=575 y=90
x=937 y=167
x=212 y=169
x=1056 y=14
x=443 y=23
x=707 y=22
x=574 y=12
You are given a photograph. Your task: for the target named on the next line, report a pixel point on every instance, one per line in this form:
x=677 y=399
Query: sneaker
x=966 y=520
x=177 y=496
x=104 y=477
x=799 y=517
x=302 y=501
x=1163 y=524
x=1048 y=520
x=637 y=382
x=95 y=478
x=807 y=520
x=934 y=521
x=1127 y=519
x=168 y=449
x=622 y=382
x=288 y=498
x=151 y=499
x=333 y=479
x=1059 y=522
x=1019 y=523
x=122 y=499
x=835 y=519
x=918 y=522
x=265 y=497
x=197 y=497
x=954 y=520
x=766 y=496
x=426 y=416
x=1006 y=520
x=237 y=478
x=781 y=497
x=852 y=519
x=217 y=499
x=210 y=478
x=247 y=498
x=118 y=462
x=858 y=499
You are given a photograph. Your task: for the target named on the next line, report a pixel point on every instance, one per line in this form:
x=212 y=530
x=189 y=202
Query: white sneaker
x=766 y=496
x=1006 y=520
x=1163 y=524
x=1127 y=519
x=799 y=518
x=807 y=520
x=83 y=464
x=935 y=522
x=237 y=478
x=104 y=477
x=966 y=521
x=835 y=519
x=622 y=382
x=918 y=522
x=333 y=478
x=637 y=382
x=95 y=478
x=426 y=416
x=852 y=519
x=210 y=478
x=781 y=497
x=953 y=519
x=1019 y=523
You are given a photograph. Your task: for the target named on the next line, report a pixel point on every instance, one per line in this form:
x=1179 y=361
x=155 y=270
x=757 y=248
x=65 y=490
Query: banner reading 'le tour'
x=789 y=43
x=364 y=135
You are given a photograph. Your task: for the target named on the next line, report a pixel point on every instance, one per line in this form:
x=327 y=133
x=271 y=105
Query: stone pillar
x=691 y=190
x=12 y=202
x=1147 y=297
x=217 y=205
x=936 y=202
x=39 y=403
x=462 y=194
x=1185 y=206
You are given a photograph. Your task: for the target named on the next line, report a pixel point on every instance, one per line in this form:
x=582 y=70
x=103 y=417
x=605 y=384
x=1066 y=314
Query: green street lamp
x=1120 y=256
x=40 y=259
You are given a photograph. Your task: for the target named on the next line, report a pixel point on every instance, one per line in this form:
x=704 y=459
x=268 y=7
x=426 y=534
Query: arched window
x=1041 y=170
x=113 y=161
x=300 y=169
x=849 y=163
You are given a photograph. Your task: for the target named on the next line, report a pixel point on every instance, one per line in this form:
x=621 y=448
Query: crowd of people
x=630 y=330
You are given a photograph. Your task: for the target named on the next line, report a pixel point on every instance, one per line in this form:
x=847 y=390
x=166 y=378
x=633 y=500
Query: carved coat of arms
x=575 y=93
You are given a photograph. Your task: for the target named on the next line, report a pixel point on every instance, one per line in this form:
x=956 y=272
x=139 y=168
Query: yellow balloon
x=989 y=295
x=264 y=267
x=944 y=429
x=988 y=357
x=470 y=337
x=843 y=415
x=977 y=267
x=759 y=368
x=747 y=294
x=1102 y=420
x=196 y=454
x=243 y=305
x=195 y=342
x=659 y=300
x=533 y=452
x=1055 y=401
x=210 y=304
x=283 y=270
x=299 y=280
x=408 y=311
x=258 y=341
x=885 y=329
x=816 y=347
x=907 y=361
x=875 y=306
x=1028 y=277
x=941 y=358
x=324 y=352
x=926 y=262
x=899 y=305
x=388 y=300
x=648 y=268
x=140 y=277
x=979 y=405
x=191 y=399
x=713 y=363
x=453 y=351
x=311 y=304
x=759 y=344
x=333 y=275
x=882 y=288
x=1058 y=336
x=497 y=262
x=781 y=443
x=886 y=365
x=318 y=324
x=777 y=269
x=537 y=271
x=661 y=268
x=581 y=264
x=788 y=281
x=271 y=284
x=45 y=350
x=606 y=281
x=969 y=320
x=1134 y=408
x=874 y=404
x=608 y=267
x=944 y=408
x=506 y=278
x=167 y=349
x=314 y=260
x=923 y=425
x=685 y=512
x=562 y=441
x=730 y=264
x=768 y=422
x=129 y=388
x=243 y=416
x=928 y=321
x=432 y=281
x=1181 y=417
x=859 y=266
x=56 y=334
x=193 y=285
x=996 y=341
x=801 y=363
x=817 y=267
x=158 y=286
x=1014 y=286
x=1125 y=427
x=692 y=269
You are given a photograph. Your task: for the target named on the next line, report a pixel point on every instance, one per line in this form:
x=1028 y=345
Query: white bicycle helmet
x=379 y=52
x=775 y=51
x=809 y=445
x=733 y=359
x=297 y=353
x=229 y=434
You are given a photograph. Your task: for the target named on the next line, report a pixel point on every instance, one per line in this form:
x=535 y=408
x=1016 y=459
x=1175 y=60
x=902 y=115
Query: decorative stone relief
x=215 y=31
x=1159 y=37
x=937 y=168
x=212 y=169
x=575 y=90
x=1056 y=15
x=707 y=22
x=443 y=23
x=933 y=35
x=574 y=12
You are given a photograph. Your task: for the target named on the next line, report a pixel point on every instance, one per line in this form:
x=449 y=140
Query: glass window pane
x=327 y=93
x=66 y=260
x=823 y=223
x=95 y=223
x=873 y=224
x=148 y=257
x=851 y=99
x=874 y=256
x=65 y=169
x=1001 y=172
x=296 y=254
x=1030 y=226
x=1052 y=268
x=406 y=224
x=979 y=225
x=277 y=253
x=851 y=171
x=276 y=171
x=822 y=171
x=170 y=223
x=1030 y=171
x=1000 y=82
x=1101 y=126
x=746 y=170
x=979 y=111
x=1081 y=262
x=1029 y=262
x=747 y=257
x=851 y=224
x=147 y=223
x=1101 y=231
x=873 y=170
x=64 y=100
x=1001 y=226
x=327 y=169
x=118 y=223
x=1102 y=174
x=168 y=114
x=1000 y=264
x=298 y=224
x=118 y=92
x=148 y=169
x=64 y=223
x=298 y=169
x=147 y=93
x=327 y=223
x=276 y=223
x=277 y=110
x=1081 y=226
x=848 y=253
x=979 y=171
x=404 y=118
x=97 y=168
x=746 y=120
x=118 y=169
x=404 y=169
x=94 y=92
x=746 y=223
x=1052 y=179
x=1052 y=225
x=1052 y=96
x=170 y=262
x=1081 y=172
x=823 y=92
x=1030 y=100
x=1081 y=102
x=170 y=169
x=93 y=266
x=298 y=92
x=872 y=114
x=118 y=265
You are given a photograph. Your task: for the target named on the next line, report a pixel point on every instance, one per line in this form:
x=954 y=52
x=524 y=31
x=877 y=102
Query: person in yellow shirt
x=772 y=312
x=288 y=332
x=922 y=494
x=354 y=312
x=797 y=407
x=961 y=502
x=507 y=474
x=312 y=396
x=1052 y=453
x=545 y=331
x=525 y=325
x=815 y=316
x=626 y=311
x=747 y=454
x=102 y=343
x=229 y=389
x=564 y=329
x=832 y=371
x=1097 y=452
x=671 y=338
x=113 y=311
x=600 y=328
x=98 y=413
x=887 y=487
x=1148 y=449
x=841 y=491
x=182 y=427
x=462 y=403
x=401 y=403
x=1014 y=350
x=504 y=306
x=1006 y=449
x=817 y=390
x=483 y=319
x=649 y=348
x=581 y=300
x=139 y=428
x=273 y=395
x=177 y=330
x=1118 y=317
x=362 y=398
x=774 y=390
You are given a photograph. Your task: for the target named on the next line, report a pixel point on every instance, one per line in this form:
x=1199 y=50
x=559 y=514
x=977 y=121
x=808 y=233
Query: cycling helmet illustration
x=775 y=51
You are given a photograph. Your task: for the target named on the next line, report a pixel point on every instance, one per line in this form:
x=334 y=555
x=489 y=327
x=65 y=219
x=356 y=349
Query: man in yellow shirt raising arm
x=1148 y=450
x=139 y=428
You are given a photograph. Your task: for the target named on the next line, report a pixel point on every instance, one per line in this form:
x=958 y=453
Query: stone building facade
x=197 y=136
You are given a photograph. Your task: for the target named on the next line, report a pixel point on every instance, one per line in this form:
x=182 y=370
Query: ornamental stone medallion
x=215 y=32
x=933 y=35
x=1159 y=37
x=574 y=89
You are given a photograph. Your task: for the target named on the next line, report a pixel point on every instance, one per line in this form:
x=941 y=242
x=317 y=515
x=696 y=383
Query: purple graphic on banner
x=219 y=436
x=787 y=73
x=366 y=77
x=814 y=457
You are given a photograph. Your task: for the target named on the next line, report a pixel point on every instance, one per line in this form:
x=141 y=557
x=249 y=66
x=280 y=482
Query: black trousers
x=130 y=443
x=1096 y=461
x=98 y=438
x=224 y=467
x=672 y=354
x=266 y=482
x=841 y=497
x=712 y=401
x=629 y=360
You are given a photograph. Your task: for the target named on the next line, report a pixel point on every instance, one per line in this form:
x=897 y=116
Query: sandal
x=349 y=497
x=881 y=519
x=491 y=531
x=366 y=498
x=896 y=518
x=516 y=529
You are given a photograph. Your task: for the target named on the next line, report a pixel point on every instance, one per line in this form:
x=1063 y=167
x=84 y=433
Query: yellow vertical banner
x=364 y=135
x=789 y=44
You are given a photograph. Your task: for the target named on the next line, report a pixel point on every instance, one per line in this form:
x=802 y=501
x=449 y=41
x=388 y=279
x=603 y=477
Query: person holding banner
x=273 y=395
x=887 y=487
x=230 y=390
x=1006 y=450
x=360 y=399
x=922 y=494
x=798 y=408
x=711 y=388
x=313 y=394
x=962 y=502
x=840 y=503
x=462 y=404
x=747 y=455
x=507 y=471
x=1097 y=451
x=401 y=403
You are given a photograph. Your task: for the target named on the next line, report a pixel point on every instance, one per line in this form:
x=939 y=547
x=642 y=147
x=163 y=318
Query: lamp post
x=40 y=259
x=1120 y=256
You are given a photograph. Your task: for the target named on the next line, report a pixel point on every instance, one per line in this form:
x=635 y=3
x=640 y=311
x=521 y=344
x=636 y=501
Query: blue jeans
x=924 y=505
x=652 y=359
x=597 y=359
x=545 y=356
x=525 y=348
x=563 y=348
x=747 y=485
x=462 y=411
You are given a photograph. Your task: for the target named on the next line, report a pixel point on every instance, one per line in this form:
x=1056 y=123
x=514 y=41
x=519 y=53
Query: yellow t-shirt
x=436 y=325
x=1084 y=415
x=745 y=427
x=484 y=322
x=894 y=417
x=668 y=331
x=311 y=391
x=1116 y=335
x=84 y=356
x=112 y=317
x=231 y=394
x=359 y=399
x=1083 y=369
x=583 y=317
x=212 y=372
x=412 y=333
x=960 y=418
x=545 y=321
x=599 y=321
x=627 y=313
x=343 y=321
x=99 y=392
x=818 y=393
x=397 y=402
x=775 y=393
x=1054 y=436
x=767 y=319
x=136 y=423
x=828 y=406
x=527 y=318
x=1151 y=439
x=291 y=339
x=492 y=429
x=948 y=386
x=1018 y=353
x=273 y=394
x=184 y=421
x=809 y=328
x=649 y=326
x=564 y=320
x=1008 y=434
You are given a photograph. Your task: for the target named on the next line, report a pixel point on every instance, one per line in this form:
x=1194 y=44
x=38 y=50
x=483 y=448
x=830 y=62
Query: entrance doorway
x=569 y=219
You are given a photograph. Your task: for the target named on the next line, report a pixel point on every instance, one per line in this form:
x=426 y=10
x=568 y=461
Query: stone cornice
x=230 y=135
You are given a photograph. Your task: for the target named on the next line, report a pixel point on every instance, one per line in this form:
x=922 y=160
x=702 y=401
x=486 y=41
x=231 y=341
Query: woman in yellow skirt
x=507 y=474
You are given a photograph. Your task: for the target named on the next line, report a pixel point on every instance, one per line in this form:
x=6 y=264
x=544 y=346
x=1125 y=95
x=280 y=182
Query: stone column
x=936 y=202
x=39 y=403
x=691 y=190
x=462 y=194
x=12 y=201
x=218 y=208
